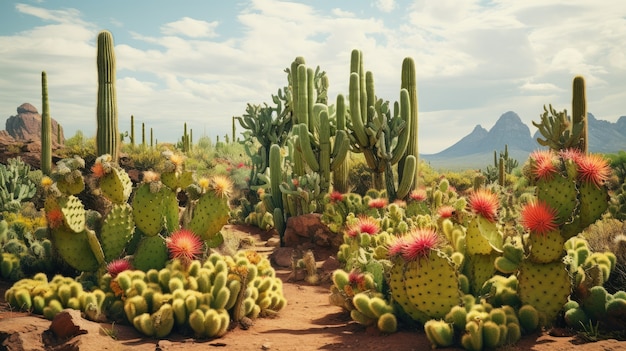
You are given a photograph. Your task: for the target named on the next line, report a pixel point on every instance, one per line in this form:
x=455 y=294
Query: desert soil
x=308 y=322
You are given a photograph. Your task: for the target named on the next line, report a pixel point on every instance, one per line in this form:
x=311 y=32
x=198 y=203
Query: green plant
x=107 y=134
x=16 y=184
x=46 y=128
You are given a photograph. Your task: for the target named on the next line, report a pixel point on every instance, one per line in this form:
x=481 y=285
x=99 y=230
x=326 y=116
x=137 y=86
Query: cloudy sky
x=201 y=62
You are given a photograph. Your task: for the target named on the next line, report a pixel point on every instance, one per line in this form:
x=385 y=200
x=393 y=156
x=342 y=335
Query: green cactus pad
x=76 y=186
x=116 y=186
x=544 y=286
x=73 y=213
x=399 y=294
x=147 y=210
x=593 y=203
x=432 y=284
x=74 y=249
x=151 y=253
x=117 y=229
x=210 y=214
x=169 y=203
x=478 y=269
x=561 y=194
x=482 y=236
x=547 y=247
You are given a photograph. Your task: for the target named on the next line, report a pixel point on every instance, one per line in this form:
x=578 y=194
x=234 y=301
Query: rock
x=309 y=228
x=17 y=333
x=331 y=264
x=26 y=125
x=282 y=256
x=68 y=324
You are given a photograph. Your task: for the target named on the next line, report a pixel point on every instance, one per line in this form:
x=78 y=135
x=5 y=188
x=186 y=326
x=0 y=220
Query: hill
x=475 y=150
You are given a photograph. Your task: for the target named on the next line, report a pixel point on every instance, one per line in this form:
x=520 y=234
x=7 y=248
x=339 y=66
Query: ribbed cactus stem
x=501 y=172
x=409 y=82
x=275 y=176
x=340 y=173
x=46 y=132
x=234 y=129
x=58 y=134
x=107 y=135
x=132 y=130
x=302 y=108
x=151 y=139
x=143 y=134
x=579 y=111
x=355 y=110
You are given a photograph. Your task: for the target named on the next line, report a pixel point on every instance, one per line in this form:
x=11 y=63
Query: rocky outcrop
x=26 y=125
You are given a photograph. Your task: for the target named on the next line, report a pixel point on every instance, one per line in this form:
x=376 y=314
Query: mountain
x=476 y=149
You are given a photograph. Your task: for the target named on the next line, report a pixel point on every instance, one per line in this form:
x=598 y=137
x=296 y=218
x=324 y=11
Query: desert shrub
x=80 y=146
x=609 y=234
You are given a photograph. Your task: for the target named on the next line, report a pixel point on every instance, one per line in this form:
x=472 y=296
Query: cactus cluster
x=18 y=183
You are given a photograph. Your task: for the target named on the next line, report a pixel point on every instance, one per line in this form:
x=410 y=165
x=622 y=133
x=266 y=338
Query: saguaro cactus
x=46 y=129
x=579 y=111
x=132 y=130
x=409 y=82
x=107 y=135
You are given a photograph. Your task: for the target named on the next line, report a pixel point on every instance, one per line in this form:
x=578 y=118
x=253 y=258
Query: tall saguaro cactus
x=409 y=82
x=579 y=111
x=46 y=128
x=107 y=135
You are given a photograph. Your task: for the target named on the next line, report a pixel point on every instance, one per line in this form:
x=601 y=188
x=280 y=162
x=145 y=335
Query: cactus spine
x=46 y=132
x=107 y=135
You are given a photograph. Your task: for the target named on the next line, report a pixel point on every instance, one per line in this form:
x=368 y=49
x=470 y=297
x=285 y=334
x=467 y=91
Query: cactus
x=46 y=128
x=16 y=185
x=107 y=135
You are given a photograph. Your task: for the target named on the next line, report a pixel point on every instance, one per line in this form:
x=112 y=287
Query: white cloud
x=385 y=5
x=191 y=28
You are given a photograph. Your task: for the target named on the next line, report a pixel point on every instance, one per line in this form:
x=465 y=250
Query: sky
x=201 y=62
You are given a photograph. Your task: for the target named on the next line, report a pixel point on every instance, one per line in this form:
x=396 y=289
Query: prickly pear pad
x=74 y=248
x=545 y=286
x=116 y=186
x=560 y=193
x=482 y=236
x=117 y=229
x=151 y=253
x=73 y=213
x=210 y=214
x=593 y=203
x=147 y=210
x=399 y=292
x=432 y=284
x=547 y=247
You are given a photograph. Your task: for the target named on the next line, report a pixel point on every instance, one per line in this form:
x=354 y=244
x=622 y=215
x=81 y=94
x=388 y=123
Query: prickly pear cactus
x=151 y=253
x=117 y=229
x=544 y=286
x=74 y=248
x=148 y=209
x=116 y=186
x=210 y=214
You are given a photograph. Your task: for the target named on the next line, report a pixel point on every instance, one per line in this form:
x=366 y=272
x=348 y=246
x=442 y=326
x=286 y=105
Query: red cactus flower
x=54 y=218
x=593 y=168
x=98 y=170
x=446 y=211
x=364 y=224
x=336 y=196
x=542 y=164
x=116 y=267
x=484 y=203
x=379 y=203
x=397 y=246
x=241 y=165
x=418 y=195
x=419 y=243
x=184 y=245
x=538 y=217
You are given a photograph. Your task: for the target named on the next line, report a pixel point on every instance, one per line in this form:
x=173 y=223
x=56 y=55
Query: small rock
x=331 y=264
x=273 y=242
x=266 y=346
x=282 y=256
x=67 y=324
